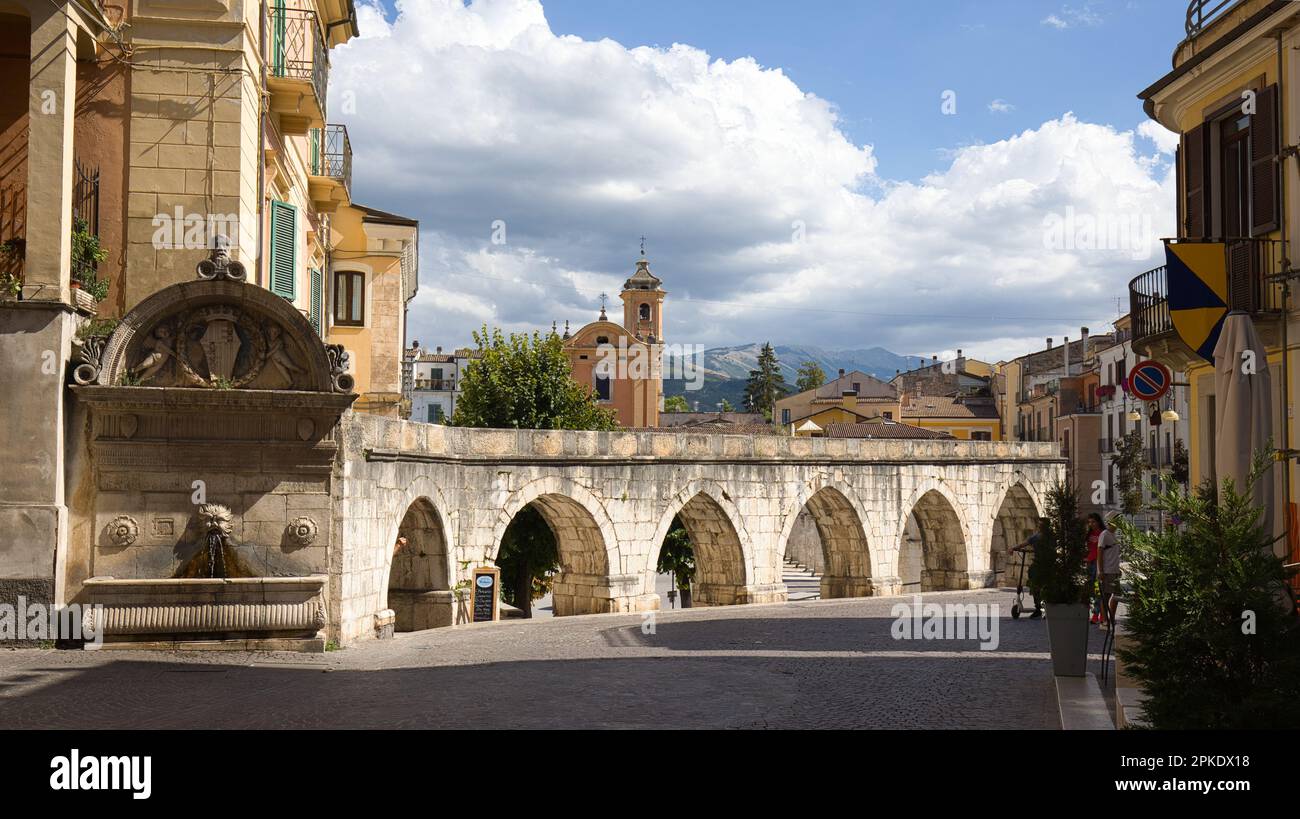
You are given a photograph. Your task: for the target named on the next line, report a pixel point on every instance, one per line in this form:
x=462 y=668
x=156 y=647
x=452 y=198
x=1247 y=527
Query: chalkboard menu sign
x=484 y=603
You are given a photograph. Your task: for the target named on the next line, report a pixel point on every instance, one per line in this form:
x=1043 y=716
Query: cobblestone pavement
x=822 y=664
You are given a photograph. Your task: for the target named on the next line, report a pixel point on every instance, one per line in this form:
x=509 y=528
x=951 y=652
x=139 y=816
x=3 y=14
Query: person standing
x=1109 y=551
x=1095 y=528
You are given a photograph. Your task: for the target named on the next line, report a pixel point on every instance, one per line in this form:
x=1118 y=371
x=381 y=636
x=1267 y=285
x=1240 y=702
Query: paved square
x=815 y=664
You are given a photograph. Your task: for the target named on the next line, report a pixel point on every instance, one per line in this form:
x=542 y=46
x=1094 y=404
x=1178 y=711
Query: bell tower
x=643 y=302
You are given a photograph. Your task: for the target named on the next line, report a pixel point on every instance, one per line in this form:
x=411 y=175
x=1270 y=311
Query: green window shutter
x=278 y=45
x=317 y=299
x=315 y=152
x=284 y=232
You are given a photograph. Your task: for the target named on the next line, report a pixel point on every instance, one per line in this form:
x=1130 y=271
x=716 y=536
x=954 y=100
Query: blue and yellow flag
x=1197 y=273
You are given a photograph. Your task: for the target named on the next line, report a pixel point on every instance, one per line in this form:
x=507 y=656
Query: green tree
x=527 y=558
x=766 y=384
x=1131 y=463
x=525 y=382
x=676 y=403
x=677 y=556
x=725 y=406
x=810 y=377
x=1212 y=635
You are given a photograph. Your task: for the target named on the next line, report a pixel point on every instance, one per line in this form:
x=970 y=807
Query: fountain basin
x=242 y=613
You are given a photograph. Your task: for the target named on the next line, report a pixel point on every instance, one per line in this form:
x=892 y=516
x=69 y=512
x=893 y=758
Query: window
x=785 y=416
x=349 y=298
x=1229 y=172
x=283 y=261
x=645 y=312
x=436 y=414
x=981 y=435
x=436 y=373
x=888 y=416
x=602 y=388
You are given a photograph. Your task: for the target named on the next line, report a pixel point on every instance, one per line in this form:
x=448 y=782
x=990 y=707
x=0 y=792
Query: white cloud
x=1001 y=107
x=1165 y=140
x=1074 y=17
x=470 y=114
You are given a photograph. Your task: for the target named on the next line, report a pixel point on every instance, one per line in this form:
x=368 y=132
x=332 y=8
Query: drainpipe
x=1285 y=397
x=261 y=146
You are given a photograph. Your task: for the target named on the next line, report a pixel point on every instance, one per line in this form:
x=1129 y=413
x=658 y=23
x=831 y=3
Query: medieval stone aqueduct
x=893 y=516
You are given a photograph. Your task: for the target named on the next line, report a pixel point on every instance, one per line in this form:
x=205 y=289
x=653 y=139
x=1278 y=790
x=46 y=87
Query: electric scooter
x=1018 y=607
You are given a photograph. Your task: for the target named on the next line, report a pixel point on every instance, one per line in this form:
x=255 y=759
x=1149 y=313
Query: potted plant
x=1059 y=578
x=87 y=254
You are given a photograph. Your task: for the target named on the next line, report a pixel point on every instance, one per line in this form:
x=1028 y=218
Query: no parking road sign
x=1149 y=381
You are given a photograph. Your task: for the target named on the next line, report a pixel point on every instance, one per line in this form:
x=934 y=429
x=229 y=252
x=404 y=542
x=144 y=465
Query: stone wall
x=611 y=496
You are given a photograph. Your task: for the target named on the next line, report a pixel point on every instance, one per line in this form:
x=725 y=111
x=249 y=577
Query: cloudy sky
x=833 y=174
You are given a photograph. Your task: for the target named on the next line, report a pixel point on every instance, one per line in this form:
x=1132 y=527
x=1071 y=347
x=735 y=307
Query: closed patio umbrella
x=1244 y=408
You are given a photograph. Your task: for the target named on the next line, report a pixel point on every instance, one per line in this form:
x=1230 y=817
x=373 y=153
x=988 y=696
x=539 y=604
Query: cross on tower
x=642 y=245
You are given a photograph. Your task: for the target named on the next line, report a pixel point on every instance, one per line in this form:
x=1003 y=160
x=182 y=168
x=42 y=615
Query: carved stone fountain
x=209 y=387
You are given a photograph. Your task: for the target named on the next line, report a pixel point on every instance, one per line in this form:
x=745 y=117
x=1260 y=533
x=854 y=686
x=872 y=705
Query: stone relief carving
x=219 y=265
x=88 y=358
x=219 y=333
x=339 y=376
x=123 y=531
x=302 y=531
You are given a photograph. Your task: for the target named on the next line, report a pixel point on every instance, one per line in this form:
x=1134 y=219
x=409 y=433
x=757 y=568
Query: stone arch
x=723 y=559
x=1015 y=518
x=584 y=535
x=419 y=574
x=934 y=538
x=839 y=522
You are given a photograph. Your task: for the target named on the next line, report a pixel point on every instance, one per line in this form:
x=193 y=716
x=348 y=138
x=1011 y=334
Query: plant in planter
x=677 y=557
x=1209 y=641
x=1059 y=579
x=12 y=254
x=87 y=254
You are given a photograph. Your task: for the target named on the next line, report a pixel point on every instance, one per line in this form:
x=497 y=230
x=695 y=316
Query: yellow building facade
x=372 y=277
x=1233 y=96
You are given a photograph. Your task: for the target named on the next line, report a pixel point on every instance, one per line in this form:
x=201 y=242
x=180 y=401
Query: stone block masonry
x=610 y=498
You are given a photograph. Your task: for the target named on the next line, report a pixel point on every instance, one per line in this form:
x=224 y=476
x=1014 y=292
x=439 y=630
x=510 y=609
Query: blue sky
x=791 y=163
x=886 y=63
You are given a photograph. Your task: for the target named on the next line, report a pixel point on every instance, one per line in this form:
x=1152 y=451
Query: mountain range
x=726 y=369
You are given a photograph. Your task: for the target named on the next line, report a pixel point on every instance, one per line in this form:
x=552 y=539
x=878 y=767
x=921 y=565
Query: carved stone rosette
x=123 y=531
x=302 y=531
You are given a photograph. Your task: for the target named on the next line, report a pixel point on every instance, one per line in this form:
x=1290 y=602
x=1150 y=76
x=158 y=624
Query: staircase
x=800 y=581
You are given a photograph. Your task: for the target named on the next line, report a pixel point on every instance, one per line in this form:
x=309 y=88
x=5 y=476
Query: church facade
x=623 y=363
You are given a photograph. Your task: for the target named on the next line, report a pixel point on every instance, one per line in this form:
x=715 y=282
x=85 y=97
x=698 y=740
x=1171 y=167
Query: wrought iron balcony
x=298 y=69
x=330 y=167
x=1200 y=13
x=1253 y=265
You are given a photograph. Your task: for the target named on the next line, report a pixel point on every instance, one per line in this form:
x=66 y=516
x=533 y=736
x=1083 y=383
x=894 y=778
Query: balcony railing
x=331 y=154
x=298 y=49
x=1252 y=265
x=447 y=384
x=1201 y=13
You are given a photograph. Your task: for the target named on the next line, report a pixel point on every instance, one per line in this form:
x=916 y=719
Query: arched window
x=645 y=312
x=603 y=390
x=602 y=340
